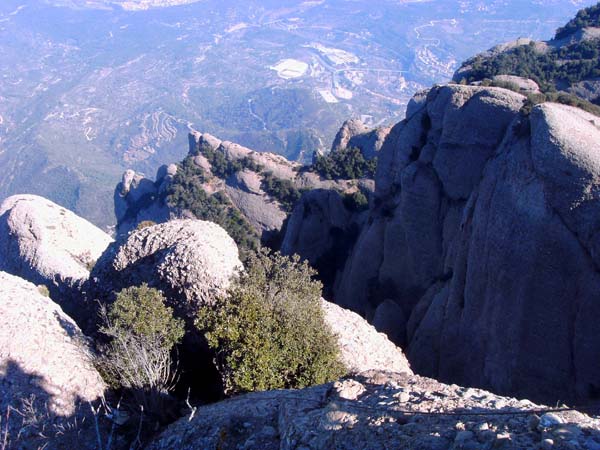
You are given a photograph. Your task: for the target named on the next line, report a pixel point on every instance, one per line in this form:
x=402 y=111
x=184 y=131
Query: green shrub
x=587 y=17
x=269 y=331
x=357 y=201
x=561 y=66
x=348 y=163
x=283 y=190
x=141 y=332
x=222 y=167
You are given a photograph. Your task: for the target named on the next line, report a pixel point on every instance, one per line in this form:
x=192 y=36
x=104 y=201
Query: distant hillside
x=588 y=17
x=569 y=63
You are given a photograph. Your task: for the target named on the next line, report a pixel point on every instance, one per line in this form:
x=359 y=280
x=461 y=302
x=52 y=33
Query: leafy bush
x=357 y=201
x=222 y=167
x=346 y=163
x=283 y=190
x=186 y=192
x=269 y=331
x=141 y=332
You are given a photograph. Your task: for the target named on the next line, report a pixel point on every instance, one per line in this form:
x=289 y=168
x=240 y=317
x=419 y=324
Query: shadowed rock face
x=42 y=353
x=138 y=199
x=47 y=244
x=482 y=245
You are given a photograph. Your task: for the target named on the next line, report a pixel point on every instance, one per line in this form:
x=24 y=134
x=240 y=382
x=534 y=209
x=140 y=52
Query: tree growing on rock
x=269 y=331
x=142 y=333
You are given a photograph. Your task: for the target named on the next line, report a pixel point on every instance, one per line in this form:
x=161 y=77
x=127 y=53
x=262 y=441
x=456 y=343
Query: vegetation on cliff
x=269 y=331
x=569 y=64
x=587 y=17
x=141 y=332
x=186 y=192
x=347 y=163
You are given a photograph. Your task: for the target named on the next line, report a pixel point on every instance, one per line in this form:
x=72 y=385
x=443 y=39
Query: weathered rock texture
x=42 y=352
x=138 y=199
x=47 y=244
x=191 y=261
x=378 y=410
x=362 y=347
x=356 y=134
x=480 y=252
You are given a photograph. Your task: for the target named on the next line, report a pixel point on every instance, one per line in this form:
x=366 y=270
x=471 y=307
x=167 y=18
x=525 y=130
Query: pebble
x=503 y=440
x=403 y=397
x=349 y=389
x=534 y=422
x=547 y=444
x=482 y=426
x=549 y=420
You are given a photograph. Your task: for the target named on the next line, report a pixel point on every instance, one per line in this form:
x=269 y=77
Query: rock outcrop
x=191 y=261
x=479 y=252
x=356 y=134
x=44 y=357
x=235 y=172
x=47 y=244
x=362 y=348
x=379 y=410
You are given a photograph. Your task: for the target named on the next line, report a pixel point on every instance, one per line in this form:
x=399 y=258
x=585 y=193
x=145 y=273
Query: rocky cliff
x=479 y=251
x=263 y=187
x=47 y=376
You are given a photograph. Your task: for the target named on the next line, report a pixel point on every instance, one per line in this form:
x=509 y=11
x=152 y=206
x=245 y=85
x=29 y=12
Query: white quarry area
x=328 y=96
x=335 y=55
x=290 y=68
x=342 y=93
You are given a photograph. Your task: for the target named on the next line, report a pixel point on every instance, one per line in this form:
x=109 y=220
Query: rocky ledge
x=380 y=410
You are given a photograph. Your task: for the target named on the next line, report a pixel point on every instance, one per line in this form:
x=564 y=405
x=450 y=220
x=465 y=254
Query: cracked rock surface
x=379 y=410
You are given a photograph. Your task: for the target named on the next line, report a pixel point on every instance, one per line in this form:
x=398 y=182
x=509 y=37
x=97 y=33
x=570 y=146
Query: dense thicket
x=283 y=190
x=588 y=17
x=569 y=64
x=348 y=163
x=269 y=332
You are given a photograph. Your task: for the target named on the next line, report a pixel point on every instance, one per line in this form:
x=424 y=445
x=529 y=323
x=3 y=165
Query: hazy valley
x=89 y=89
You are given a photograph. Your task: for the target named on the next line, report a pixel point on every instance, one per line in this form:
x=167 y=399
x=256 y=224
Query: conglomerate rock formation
x=481 y=243
x=44 y=357
x=379 y=410
x=191 y=261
